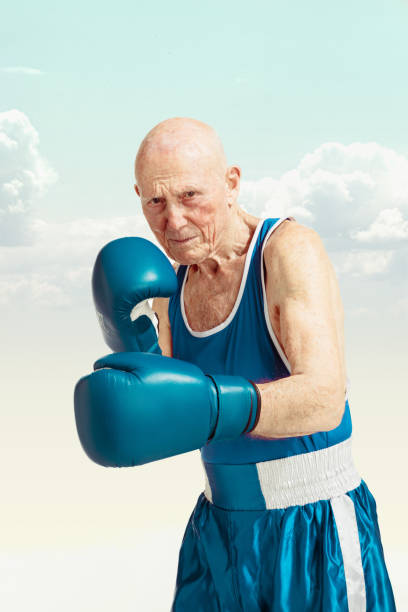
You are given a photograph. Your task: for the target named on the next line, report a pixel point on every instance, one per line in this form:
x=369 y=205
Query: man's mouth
x=182 y=240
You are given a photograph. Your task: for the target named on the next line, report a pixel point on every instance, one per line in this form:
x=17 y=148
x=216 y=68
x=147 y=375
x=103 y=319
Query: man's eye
x=155 y=200
x=190 y=194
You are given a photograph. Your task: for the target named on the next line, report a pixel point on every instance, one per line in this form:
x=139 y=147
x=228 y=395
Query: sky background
x=310 y=101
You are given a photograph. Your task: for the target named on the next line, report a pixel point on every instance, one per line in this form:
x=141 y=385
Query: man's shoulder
x=297 y=251
x=290 y=236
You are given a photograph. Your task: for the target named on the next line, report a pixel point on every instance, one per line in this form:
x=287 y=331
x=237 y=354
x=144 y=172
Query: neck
x=231 y=247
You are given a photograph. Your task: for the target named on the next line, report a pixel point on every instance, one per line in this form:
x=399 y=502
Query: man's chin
x=183 y=253
x=186 y=258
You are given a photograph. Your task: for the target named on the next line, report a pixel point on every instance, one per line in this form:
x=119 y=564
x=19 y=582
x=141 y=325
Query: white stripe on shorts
x=346 y=522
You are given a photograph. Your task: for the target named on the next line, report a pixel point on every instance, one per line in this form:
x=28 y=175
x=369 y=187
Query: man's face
x=185 y=204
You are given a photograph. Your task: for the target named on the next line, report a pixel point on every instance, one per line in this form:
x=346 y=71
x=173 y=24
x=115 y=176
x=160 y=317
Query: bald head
x=188 y=193
x=189 y=140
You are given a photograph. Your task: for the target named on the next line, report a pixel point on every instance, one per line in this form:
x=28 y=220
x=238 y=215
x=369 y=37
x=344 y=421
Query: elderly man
x=285 y=522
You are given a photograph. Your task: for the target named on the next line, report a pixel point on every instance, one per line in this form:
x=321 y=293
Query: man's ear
x=233 y=177
x=137 y=189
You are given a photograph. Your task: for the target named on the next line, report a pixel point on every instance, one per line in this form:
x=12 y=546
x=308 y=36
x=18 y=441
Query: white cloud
x=22 y=70
x=339 y=190
x=24 y=176
x=355 y=196
x=55 y=271
x=389 y=225
x=364 y=263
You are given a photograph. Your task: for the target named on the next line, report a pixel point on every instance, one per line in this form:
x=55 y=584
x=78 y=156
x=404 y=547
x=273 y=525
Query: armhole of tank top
x=266 y=312
x=265 y=301
x=229 y=319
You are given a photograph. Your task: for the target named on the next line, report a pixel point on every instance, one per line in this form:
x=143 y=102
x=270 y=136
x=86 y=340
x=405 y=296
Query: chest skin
x=209 y=304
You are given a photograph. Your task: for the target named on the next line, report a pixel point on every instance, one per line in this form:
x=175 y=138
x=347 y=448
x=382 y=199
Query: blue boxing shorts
x=294 y=534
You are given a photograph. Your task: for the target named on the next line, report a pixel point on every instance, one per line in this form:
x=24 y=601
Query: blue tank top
x=245 y=345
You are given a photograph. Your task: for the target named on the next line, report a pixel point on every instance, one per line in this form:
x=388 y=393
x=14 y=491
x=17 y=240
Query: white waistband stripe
x=309 y=477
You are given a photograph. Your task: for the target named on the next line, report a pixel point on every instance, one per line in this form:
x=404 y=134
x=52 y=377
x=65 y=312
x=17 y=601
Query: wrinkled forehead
x=179 y=168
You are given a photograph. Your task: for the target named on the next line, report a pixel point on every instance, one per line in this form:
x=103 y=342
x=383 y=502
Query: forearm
x=296 y=406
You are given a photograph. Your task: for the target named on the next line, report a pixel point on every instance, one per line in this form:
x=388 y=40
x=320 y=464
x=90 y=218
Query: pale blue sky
x=276 y=79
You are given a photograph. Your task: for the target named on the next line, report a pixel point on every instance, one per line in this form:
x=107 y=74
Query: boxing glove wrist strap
x=258 y=409
x=216 y=401
x=236 y=401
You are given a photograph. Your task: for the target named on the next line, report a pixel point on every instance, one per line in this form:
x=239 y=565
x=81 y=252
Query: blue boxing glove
x=141 y=407
x=127 y=272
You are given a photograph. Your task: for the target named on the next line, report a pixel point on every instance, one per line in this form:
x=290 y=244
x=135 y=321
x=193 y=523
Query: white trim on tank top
x=266 y=311
x=224 y=324
x=248 y=257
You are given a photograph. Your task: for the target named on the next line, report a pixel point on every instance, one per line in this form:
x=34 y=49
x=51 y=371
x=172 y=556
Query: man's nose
x=175 y=216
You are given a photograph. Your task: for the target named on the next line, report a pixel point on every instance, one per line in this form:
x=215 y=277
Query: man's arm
x=160 y=307
x=312 y=398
